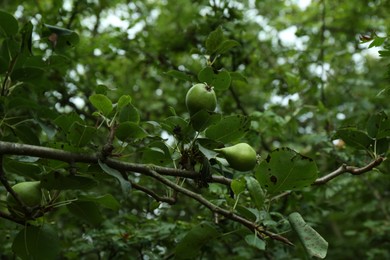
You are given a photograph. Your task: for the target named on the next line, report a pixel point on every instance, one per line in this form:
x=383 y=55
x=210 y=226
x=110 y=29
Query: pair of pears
x=241 y=157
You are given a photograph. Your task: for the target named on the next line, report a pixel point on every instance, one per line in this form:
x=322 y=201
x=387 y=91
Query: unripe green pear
x=29 y=192
x=200 y=96
x=241 y=157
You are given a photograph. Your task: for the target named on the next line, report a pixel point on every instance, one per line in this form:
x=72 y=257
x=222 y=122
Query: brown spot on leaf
x=273 y=179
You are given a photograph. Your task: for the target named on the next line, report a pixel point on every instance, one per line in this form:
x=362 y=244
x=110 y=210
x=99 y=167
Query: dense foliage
x=93 y=106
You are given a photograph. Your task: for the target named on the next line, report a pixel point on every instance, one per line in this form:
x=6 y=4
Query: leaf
x=33 y=242
x=377 y=42
x=254 y=241
x=129 y=113
x=156 y=153
x=238 y=76
x=178 y=127
x=102 y=103
x=26 y=134
x=229 y=129
x=255 y=191
x=226 y=45
x=80 y=135
x=179 y=75
x=214 y=39
x=125 y=184
x=8 y=24
x=190 y=246
x=60 y=38
x=378 y=126
x=87 y=211
x=285 y=169
x=26 y=47
x=203 y=119
x=314 y=243
x=220 y=80
x=65 y=181
x=123 y=101
x=65 y=122
x=238 y=185
x=107 y=201
x=130 y=130
x=355 y=138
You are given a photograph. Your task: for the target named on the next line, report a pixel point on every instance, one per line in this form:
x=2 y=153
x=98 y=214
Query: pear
x=200 y=96
x=29 y=192
x=241 y=157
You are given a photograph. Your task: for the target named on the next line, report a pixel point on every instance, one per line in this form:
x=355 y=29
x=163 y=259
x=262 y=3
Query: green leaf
x=80 y=135
x=254 y=241
x=26 y=134
x=238 y=76
x=86 y=210
x=255 y=191
x=60 y=38
x=377 y=42
x=107 y=201
x=123 y=101
x=203 y=119
x=179 y=75
x=378 y=126
x=214 y=39
x=27 y=73
x=314 y=243
x=129 y=113
x=178 y=127
x=226 y=45
x=102 y=103
x=8 y=24
x=190 y=246
x=26 y=47
x=65 y=122
x=156 y=153
x=220 y=80
x=65 y=181
x=355 y=138
x=130 y=130
x=238 y=185
x=33 y=242
x=285 y=169
x=125 y=184
x=28 y=170
x=229 y=129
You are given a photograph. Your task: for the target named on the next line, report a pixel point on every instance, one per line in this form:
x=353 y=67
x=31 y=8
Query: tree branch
x=70 y=157
x=226 y=213
x=155 y=196
x=351 y=169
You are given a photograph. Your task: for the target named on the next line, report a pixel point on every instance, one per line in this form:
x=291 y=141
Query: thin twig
x=351 y=169
x=154 y=195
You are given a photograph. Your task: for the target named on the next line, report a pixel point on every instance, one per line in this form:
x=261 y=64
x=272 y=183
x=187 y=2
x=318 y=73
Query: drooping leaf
x=314 y=243
x=125 y=184
x=8 y=24
x=37 y=242
x=26 y=46
x=102 y=103
x=229 y=129
x=190 y=246
x=254 y=241
x=255 y=191
x=203 y=119
x=284 y=169
x=86 y=210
